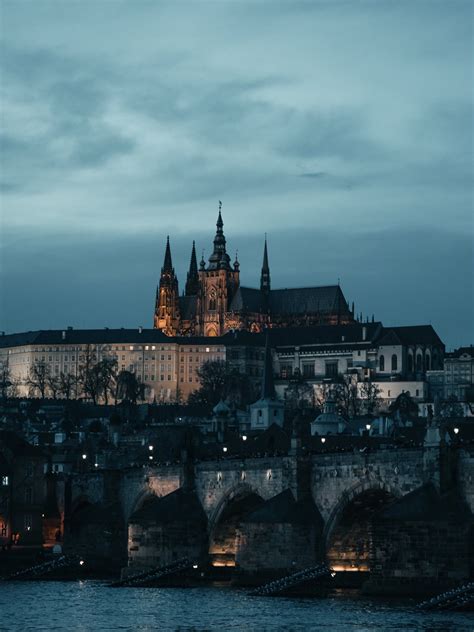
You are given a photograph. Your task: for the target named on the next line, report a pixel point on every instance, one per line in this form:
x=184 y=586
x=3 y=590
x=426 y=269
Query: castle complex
x=214 y=301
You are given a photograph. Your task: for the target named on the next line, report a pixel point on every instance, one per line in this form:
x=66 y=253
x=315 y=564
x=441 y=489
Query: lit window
x=207 y=349
x=131 y=347
x=146 y=348
x=153 y=347
x=4 y=480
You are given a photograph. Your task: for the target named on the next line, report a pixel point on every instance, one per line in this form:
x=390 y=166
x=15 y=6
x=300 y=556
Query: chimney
x=63 y=335
x=140 y=329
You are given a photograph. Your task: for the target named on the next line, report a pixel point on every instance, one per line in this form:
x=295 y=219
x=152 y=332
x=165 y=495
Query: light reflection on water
x=90 y=605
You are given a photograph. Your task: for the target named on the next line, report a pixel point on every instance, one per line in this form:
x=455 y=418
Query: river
x=92 y=606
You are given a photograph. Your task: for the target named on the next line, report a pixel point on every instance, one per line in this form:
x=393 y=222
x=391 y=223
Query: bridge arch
x=347 y=535
x=240 y=500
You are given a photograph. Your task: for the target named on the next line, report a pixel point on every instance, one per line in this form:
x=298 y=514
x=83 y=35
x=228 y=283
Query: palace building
x=214 y=302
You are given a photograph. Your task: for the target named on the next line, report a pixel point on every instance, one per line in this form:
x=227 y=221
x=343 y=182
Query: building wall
x=169 y=370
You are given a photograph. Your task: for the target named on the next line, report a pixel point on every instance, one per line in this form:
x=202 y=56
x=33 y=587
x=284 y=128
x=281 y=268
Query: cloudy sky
x=342 y=129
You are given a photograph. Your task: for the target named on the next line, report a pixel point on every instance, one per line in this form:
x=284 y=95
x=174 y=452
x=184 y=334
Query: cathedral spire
x=265 y=275
x=192 y=280
x=168 y=264
x=219 y=257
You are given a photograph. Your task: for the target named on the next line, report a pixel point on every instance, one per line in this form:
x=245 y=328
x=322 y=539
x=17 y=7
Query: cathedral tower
x=167 y=298
x=218 y=284
x=265 y=274
x=192 y=280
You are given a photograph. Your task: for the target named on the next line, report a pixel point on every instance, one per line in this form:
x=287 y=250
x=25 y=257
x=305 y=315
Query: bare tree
x=107 y=369
x=347 y=395
x=38 y=377
x=129 y=387
x=67 y=385
x=8 y=384
x=54 y=385
x=370 y=396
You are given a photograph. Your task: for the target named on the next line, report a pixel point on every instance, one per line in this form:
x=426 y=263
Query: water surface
x=92 y=605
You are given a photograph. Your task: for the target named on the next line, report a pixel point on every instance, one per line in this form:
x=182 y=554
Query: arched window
x=434 y=364
x=212 y=304
x=394 y=362
x=410 y=363
x=382 y=363
x=419 y=362
x=427 y=362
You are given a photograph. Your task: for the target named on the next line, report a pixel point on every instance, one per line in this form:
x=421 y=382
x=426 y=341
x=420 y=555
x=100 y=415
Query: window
x=4 y=481
x=308 y=370
x=28 y=522
x=417 y=392
x=331 y=369
x=410 y=363
x=212 y=304
x=394 y=362
x=419 y=362
x=286 y=371
x=427 y=361
x=29 y=469
x=382 y=363
x=28 y=495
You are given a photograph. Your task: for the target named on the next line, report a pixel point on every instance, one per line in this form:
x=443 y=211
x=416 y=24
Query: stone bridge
x=276 y=513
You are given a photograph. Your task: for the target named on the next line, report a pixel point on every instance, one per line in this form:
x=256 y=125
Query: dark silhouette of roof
x=307 y=300
x=283 y=508
x=426 y=504
x=179 y=506
x=416 y=334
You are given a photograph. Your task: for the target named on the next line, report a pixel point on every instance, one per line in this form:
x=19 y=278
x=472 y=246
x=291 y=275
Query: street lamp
x=323 y=439
x=456 y=430
x=150 y=447
x=244 y=437
x=224 y=449
x=367 y=426
x=84 y=457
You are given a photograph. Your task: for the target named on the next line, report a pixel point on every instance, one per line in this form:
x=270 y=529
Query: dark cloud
x=342 y=129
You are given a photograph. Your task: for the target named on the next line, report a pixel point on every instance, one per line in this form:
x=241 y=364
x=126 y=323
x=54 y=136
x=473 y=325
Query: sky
x=343 y=130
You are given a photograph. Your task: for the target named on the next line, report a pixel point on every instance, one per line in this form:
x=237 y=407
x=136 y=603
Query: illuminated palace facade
x=214 y=302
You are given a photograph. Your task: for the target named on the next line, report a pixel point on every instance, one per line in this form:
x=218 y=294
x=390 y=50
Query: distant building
x=215 y=302
x=169 y=366
x=459 y=373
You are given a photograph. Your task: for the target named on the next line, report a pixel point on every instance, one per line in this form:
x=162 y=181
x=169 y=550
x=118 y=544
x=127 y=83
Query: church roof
x=307 y=299
x=412 y=335
x=324 y=299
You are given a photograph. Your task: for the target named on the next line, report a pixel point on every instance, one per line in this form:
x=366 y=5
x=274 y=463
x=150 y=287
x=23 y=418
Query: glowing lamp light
x=195 y=566
x=150 y=458
x=28 y=528
x=224 y=449
x=456 y=430
x=150 y=447
x=81 y=562
x=367 y=426
x=323 y=439
x=244 y=437
x=333 y=574
x=96 y=465
x=84 y=457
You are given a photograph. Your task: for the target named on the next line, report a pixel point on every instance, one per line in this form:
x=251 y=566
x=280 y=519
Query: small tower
x=218 y=283
x=268 y=409
x=192 y=280
x=265 y=275
x=167 y=297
